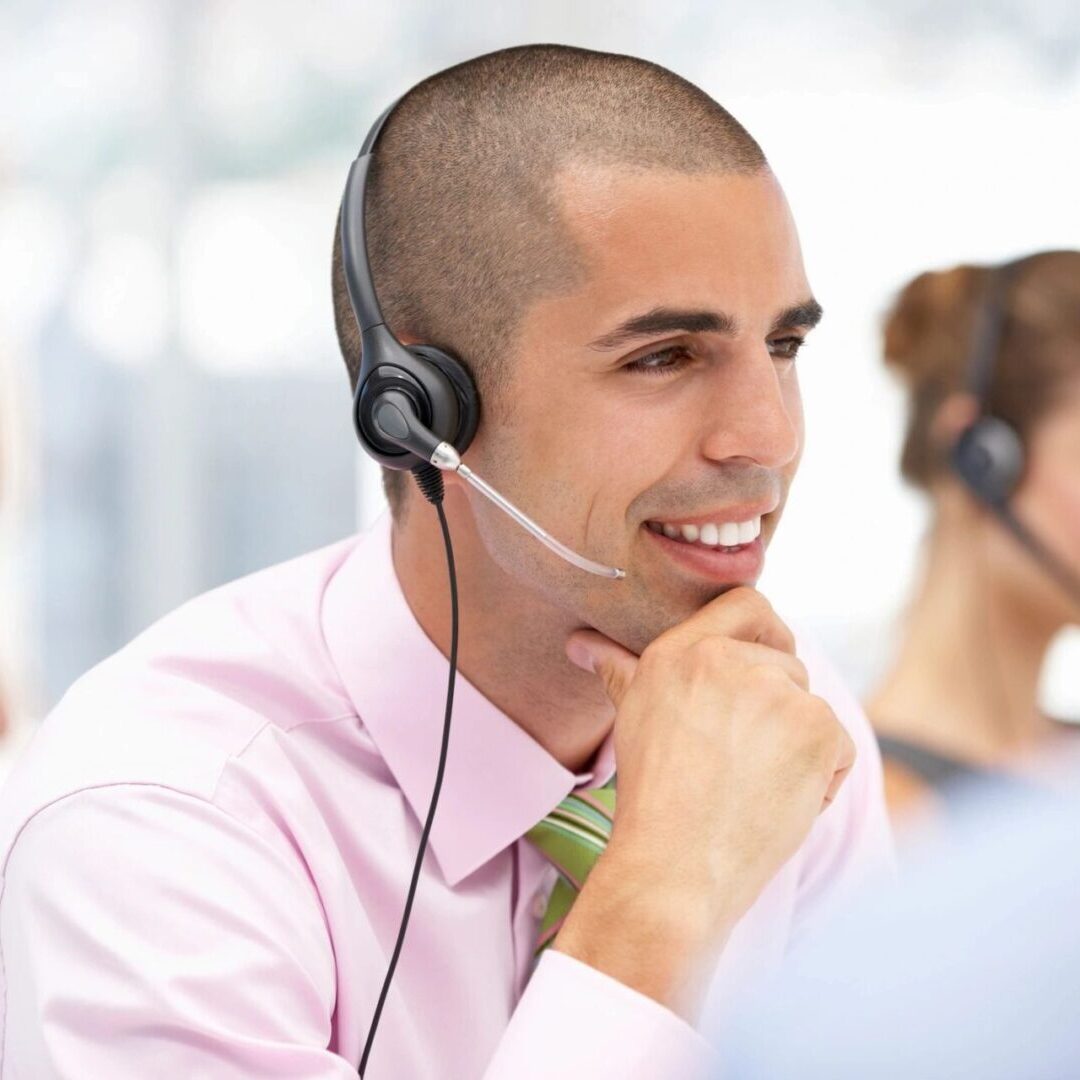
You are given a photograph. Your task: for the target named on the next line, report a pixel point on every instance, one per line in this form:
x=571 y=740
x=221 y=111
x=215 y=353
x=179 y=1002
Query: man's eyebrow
x=665 y=321
x=802 y=316
x=805 y=315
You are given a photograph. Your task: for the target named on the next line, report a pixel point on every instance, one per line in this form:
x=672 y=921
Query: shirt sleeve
x=850 y=847
x=145 y=932
x=573 y=1020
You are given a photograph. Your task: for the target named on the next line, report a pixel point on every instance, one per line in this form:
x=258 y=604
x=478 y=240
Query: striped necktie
x=572 y=837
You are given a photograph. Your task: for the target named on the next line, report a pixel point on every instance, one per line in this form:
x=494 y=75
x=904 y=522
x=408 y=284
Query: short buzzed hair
x=464 y=229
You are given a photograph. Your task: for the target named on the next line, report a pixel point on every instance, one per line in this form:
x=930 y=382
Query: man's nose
x=752 y=411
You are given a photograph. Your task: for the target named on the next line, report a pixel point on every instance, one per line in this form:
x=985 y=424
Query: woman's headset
x=989 y=456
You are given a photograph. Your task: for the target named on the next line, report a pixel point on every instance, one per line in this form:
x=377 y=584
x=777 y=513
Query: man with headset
x=583 y=279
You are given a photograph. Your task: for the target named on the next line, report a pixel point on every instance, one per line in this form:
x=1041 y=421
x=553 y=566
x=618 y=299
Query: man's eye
x=662 y=362
x=786 y=348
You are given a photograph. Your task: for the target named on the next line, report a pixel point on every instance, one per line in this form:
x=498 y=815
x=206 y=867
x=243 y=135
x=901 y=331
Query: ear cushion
x=464 y=387
x=989 y=458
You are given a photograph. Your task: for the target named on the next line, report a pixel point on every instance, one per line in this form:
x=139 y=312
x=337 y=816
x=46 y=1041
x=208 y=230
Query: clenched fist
x=725 y=759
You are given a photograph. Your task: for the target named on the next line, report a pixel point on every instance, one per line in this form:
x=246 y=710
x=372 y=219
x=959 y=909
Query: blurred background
x=174 y=412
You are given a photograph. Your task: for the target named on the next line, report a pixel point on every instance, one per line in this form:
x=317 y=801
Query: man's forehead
x=594 y=196
x=653 y=238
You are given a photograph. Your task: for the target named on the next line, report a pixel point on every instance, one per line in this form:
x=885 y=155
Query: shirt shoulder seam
x=112 y=784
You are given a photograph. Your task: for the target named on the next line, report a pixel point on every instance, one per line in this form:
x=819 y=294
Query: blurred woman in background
x=991 y=360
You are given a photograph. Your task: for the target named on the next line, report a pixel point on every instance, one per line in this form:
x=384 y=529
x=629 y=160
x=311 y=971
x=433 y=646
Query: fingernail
x=579 y=655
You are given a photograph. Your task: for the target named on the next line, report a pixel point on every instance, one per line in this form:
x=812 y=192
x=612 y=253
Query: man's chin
x=665 y=608
x=636 y=631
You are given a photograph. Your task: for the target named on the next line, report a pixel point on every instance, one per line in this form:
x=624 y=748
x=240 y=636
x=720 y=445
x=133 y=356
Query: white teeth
x=729 y=534
x=748 y=530
x=726 y=534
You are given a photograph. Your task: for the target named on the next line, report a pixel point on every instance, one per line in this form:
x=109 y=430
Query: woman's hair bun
x=928 y=327
x=929 y=332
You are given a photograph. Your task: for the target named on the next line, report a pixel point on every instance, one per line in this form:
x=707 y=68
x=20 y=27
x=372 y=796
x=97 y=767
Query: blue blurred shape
x=970 y=968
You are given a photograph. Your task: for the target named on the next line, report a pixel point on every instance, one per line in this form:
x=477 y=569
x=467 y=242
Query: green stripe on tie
x=572 y=837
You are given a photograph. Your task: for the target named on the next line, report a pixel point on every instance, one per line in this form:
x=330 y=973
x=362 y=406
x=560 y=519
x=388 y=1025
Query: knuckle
x=823 y=729
x=800 y=672
x=783 y=633
x=707 y=655
x=659 y=654
x=769 y=677
x=756 y=609
x=752 y=602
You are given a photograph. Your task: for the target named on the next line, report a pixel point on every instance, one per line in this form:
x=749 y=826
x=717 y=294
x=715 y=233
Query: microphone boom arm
x=448 y=459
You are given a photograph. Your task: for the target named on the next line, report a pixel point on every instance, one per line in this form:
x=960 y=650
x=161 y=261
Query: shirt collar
x=499 y=781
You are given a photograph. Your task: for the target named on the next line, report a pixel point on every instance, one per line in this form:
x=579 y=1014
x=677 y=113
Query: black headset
x=989 y=456
x=408 y=400
x=405 y=394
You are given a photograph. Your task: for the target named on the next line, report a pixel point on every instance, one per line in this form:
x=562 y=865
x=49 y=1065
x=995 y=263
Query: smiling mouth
x=720 y=536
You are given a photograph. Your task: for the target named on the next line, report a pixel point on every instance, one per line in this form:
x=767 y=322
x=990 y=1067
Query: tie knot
x=573 y=835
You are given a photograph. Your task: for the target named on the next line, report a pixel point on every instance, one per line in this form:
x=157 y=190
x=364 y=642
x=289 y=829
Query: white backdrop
x=169 y=175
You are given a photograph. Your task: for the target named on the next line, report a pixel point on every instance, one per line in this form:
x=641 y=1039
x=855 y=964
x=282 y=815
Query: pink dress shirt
x=207 y=844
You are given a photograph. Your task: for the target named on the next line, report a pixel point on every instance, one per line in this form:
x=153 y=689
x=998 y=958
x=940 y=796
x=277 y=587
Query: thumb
x=613 y=665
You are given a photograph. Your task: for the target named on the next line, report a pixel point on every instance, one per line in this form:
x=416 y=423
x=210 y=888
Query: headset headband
x=358 y=278
x=989 y=329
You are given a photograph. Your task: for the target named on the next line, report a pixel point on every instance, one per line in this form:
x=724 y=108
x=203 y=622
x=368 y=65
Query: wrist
x=661 y=938
x=698 y=896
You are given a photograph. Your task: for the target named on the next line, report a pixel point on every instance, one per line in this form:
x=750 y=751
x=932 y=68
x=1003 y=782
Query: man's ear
x=957 y=412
